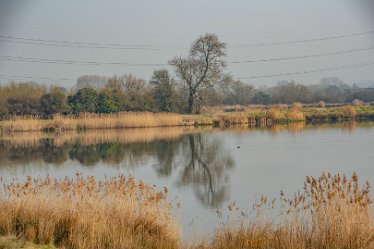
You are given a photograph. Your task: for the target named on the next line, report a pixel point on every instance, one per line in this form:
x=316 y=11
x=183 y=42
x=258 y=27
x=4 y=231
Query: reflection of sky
x=265 y=163
x=175 y=24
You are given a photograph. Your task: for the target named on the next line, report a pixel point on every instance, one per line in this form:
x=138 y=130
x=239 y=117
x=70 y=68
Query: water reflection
x=200 y=162
x=205 y=168
x=192 y=158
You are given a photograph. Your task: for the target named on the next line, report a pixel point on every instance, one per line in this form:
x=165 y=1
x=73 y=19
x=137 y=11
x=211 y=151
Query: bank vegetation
x=332 y=211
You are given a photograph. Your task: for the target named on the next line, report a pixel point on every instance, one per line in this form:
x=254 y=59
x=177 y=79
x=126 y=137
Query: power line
x=304 y=56
x=306 y=40
x=75 y=62
x=369 y=63
x=98 y=63
x=4 y=76
x=115 y=46
x=32 y=41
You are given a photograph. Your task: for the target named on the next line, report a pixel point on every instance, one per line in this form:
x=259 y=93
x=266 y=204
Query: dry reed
x=92 y=121
x=275 y=114
x=295 y=115
x=347 y=111
x=86 y=213
x=114 y=121
x=331 y=213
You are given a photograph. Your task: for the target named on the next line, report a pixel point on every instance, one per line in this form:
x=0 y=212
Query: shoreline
x=258 y=117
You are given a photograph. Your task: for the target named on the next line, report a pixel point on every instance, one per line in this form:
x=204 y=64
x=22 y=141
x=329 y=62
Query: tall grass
x=275 y=114
x=23 y=123
x=92 y=121
x=86 y=213
x=347 y=111
x=331 y=213
x=115 y=121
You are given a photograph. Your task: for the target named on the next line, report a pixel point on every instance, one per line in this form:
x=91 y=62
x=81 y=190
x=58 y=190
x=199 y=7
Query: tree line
x=199 y=80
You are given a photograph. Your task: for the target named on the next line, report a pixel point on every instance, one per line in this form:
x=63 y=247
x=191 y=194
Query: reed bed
x=115 y=121
x=92 y=121
x=332 y=212
x=86 y=213
x=23 y=123
x=91 y=137
x=347 y=111
x=276 y=114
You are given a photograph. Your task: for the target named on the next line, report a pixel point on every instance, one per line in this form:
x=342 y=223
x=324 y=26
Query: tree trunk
x=190 y=102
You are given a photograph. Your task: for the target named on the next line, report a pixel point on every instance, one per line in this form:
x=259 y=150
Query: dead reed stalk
x=86 y=213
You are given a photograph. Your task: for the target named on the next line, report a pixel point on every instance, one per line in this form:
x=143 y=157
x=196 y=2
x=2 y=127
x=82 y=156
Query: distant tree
x=110 y=100
x=163 y=90
x=117 y=83
x=91 y=81
x=22 y=98
x=239 y=93
x=85 y=100
x=261 y=97
x=202 y=69
x=138 y=95
x=53 y=102
x=289 y=92
x=23 y=105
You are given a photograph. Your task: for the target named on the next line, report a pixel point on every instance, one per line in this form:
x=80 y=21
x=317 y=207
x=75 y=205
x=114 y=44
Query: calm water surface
x=206 y=168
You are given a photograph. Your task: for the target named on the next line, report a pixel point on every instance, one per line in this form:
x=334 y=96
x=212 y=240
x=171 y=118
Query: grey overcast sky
x=162 y=29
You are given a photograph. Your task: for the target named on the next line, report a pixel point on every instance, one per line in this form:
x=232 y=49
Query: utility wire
x=354 y=50
x=98 y=63
x=33 y=78
x=364 y=64
x=63 y=43
x=358 y=65
x=20 y=40
x=306 y=40
x=74 y=62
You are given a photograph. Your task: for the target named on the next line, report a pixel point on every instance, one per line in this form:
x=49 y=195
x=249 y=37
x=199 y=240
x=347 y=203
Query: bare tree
x=202 y=69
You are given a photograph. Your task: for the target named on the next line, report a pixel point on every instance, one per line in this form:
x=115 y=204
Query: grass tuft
x=85 y=213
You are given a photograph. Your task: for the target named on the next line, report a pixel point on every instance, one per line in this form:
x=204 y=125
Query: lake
x=205 y=169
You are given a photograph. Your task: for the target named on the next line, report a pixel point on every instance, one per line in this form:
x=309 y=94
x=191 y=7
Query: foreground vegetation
x=86 y=213
x=332 y=212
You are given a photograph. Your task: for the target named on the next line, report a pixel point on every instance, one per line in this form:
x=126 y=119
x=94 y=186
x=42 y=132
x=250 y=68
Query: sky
x=55 y=42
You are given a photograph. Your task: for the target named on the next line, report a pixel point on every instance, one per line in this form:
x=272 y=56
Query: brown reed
x=347 y=111
x=86 y=213
x=275 y=114
x=331 y=213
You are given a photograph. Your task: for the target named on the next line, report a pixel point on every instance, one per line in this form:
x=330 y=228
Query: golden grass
x=93 y=121
x=23 y=123
x=90 y=137
x=295 y=115
x=114 y=121
x=331 y=213
x=275 y=114
x=347 y=111
x=86 y=213
x=218 y=116
x=9 y=242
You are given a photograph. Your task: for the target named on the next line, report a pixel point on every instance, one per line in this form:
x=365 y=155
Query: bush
x=275 y=114
x=347 y=111
x=296 y=105
x=321 y=104
x=295 y=115
x=357 y=102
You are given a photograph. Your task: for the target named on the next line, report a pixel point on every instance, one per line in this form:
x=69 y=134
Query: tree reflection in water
x=205 y=169
x=198 y=160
